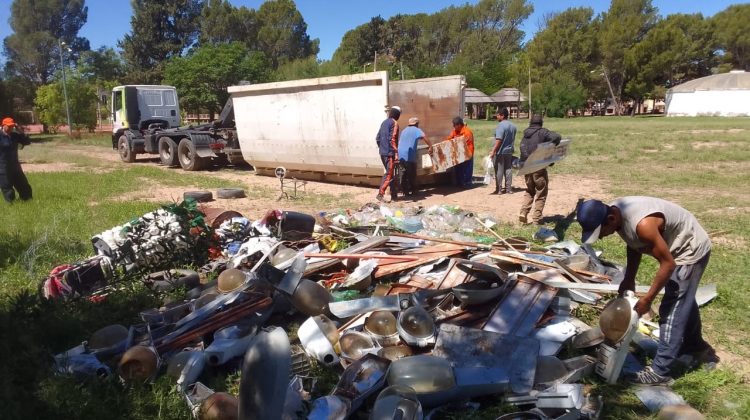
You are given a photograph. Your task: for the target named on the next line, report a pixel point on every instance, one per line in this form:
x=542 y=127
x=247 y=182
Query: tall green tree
x=50 y=103
x=202 y=77
x=734 y=36
x=220 y=22
x=679 y=48
x=283 y=33
x=102 y=64
x=160 y=30
x=624 y=25
x=32 y=50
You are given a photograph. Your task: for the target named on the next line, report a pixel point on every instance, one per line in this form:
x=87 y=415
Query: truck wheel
x=189 y=159
x=123 y=147
x=168 y=152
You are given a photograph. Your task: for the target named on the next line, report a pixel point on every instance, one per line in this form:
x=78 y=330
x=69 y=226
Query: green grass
x=674 y=158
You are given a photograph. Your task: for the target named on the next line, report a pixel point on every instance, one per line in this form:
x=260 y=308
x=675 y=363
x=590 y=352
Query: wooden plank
x=517 y=259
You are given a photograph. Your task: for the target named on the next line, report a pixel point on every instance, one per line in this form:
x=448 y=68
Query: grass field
x=701 y=163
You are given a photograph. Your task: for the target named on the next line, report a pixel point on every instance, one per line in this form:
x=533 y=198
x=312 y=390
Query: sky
x=328 y=20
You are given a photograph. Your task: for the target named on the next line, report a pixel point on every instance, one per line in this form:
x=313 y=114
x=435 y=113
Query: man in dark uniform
x=387 y=140
x=11 y=174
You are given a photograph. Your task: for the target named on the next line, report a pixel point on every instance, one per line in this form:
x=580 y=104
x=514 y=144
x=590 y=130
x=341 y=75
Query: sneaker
x=494 y=192
x=380 y=198
x=706 y=357
x=647 y=376
x=522 y=218
x=502 y=191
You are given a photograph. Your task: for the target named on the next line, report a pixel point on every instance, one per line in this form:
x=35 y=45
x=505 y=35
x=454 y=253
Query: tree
x=160 y=30
x=733 y=35
x=221 y=22
x=202 y=77
x=623 y=25
x=567 y=45
x=103 y=64
x=679 y=48
x=50 y=103
x=283 y=33
x=32 y=50
x=559 y=94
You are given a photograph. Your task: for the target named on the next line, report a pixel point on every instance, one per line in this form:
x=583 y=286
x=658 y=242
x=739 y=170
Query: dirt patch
x=263 y=191
x=731 y=130
x=730 y=241
x=699 y=145
x=738 y=365
x=50 y=167
x=730 y=211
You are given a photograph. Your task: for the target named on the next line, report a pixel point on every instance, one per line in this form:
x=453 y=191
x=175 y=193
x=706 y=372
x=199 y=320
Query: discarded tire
x=199 y=196
x=227 y=193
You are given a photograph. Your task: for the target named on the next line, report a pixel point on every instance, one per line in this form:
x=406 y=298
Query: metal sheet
x=705 y=294
x=521 y=308
x=449 y=153
x=505 y=359
x=657 y=397
x=545 y=155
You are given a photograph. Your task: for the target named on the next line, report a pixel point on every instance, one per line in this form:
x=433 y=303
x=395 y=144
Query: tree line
x=628 y=52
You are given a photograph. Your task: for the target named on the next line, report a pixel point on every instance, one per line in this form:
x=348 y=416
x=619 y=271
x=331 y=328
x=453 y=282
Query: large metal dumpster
x=324 y=129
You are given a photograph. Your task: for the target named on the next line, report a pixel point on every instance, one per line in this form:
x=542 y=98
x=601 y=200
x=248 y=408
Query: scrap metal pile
x=418 y=311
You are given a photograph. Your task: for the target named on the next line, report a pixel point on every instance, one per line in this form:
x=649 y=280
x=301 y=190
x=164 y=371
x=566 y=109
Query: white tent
x=725 y=95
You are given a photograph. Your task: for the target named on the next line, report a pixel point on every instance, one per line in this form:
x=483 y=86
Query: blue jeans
x=464 y=172
x=679 y=319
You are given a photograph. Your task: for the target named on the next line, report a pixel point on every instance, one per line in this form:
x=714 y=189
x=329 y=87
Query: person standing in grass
x=536 y=182
x=12 y=178
x=502 y=153
x=464 y=171
x=673 y=236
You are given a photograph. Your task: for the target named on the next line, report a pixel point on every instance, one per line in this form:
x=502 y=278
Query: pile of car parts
x=409 y=322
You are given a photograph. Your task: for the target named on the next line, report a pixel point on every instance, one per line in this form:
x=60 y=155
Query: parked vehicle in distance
x=146 y=120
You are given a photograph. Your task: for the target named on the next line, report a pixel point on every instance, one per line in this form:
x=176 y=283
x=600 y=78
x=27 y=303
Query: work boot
x=380 y=198
x=647 y=376
x=522 y=218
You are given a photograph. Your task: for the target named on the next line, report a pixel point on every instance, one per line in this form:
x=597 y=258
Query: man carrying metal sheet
x=673 y=236
x=537 y=182
x=407 y=152
x=464 y=170
x=387 y=139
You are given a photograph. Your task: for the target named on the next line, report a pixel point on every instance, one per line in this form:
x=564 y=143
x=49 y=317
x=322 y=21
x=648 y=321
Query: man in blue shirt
x=407 y=152
x=502 y=153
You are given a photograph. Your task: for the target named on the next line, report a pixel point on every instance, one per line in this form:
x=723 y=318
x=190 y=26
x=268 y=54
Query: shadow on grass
x=562 y=223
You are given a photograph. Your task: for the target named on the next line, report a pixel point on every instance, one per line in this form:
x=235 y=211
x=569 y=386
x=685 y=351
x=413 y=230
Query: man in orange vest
x=11 y=174
x=464 y=171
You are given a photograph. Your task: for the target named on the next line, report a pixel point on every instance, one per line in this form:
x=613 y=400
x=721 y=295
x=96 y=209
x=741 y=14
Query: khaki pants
x=536 y=194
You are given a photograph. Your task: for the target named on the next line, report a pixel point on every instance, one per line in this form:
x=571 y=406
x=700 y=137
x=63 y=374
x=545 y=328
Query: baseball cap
x=591 y=215
x=396 y=107
x=413 y=121
x=8 y=121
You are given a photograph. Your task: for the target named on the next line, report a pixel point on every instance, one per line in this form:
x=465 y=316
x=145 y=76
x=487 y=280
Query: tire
x=168 y=152
x=189 y=159
x=199 y=196
x=123 y=148
x=230 y=193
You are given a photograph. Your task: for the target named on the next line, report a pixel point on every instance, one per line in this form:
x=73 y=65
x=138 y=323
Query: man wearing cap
x=11 y=174
x=536 y=182
x=407 y=152
x=502 y=153
x=673 y=236
x=464 y=170
x=387 y=139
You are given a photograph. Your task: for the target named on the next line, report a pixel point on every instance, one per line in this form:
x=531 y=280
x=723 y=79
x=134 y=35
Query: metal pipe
x=65 y=88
